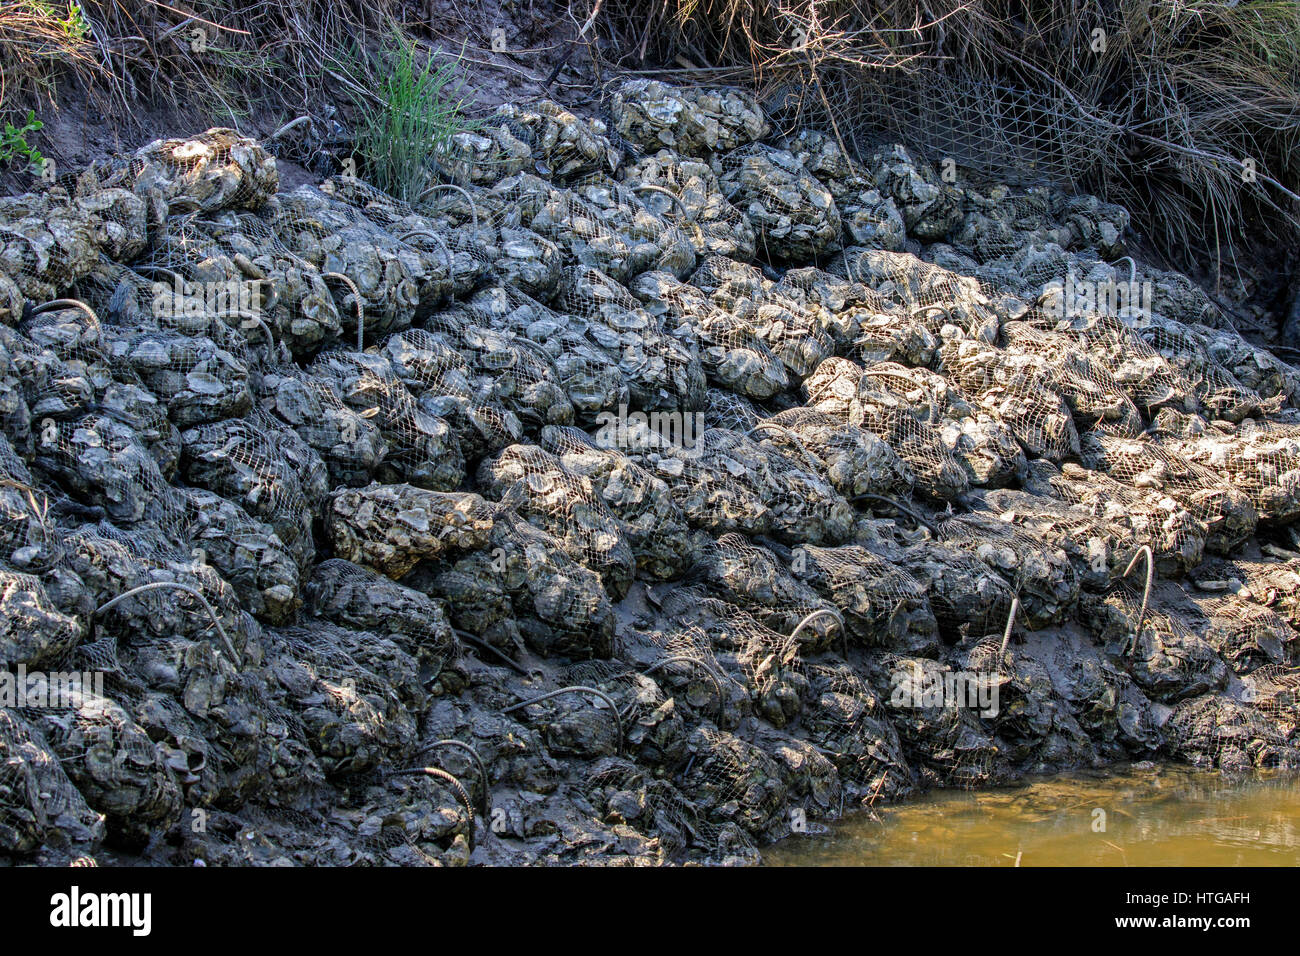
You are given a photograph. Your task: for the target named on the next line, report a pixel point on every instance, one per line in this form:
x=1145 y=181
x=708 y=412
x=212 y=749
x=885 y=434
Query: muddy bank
x=658 y=483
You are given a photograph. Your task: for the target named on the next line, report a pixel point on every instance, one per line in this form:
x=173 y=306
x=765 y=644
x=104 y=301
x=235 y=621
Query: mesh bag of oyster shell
x=422 y=448
x=483 y=156
x=1040 y=574
x=349 y=442
x=691 y=121
x=527 y=585
x=686 y=192
x=888 y=337
x=197 y=279
x=426 y=361
x=118 y=295
x=870 y=218
x=1261 y=460
x=682 y=660
x=356 y=597
x=41 y=385
x=1227 y=513
x=577 y=227
x=217 y=169
x=15 y=421
x=928 y=396
x=1017 y=388
x=794 y=216
x=661 y=372
x=731 y=351
x=729 y=411
x=931 y=294
x=108 y=561
x=855 y=461
x=105 y=463
x=727 y=481
x=995 y=224
x=1093 y=225
x=119 y=771
x=760 y=582
x=664 y=811
x=12 y=466
x=942 y=732
x=1217 y=392
x=884 y=412
x=295 y=303
x=1095 y=397
x=336 y=238
x=1134 y=517
x=586 y=722
x=39 y=806
x=732 y=781
x=842 y=307
x=880 y=603
x=653 y=524
x=792 y=330
x=565 y=504
x=32 y=629
x=1275 y=691
x=510 y=371
x=1029 y=273
x=622 y=210
x=1254 y=368
x=393 y=527
x=564 y=147
x=197 y=379
x=485 y=235
x=135 y=583
x=266 y=468
x=247 y=553
x=346 y=688
x=1214 y=731
x=767 y=660
x=729 y=280
x=1271 y=583
x=1148 y=378
x=833 y=388
x=450 y=267
x=986 y=449
x=1249 y=636
x=523 y=259
x=1167 y=658
x=1098 y=553
x=445 y=386
x=70 y=331
x=591 y=378
x=931 y=209
x=967 y=597
x=848 y=721
x=49 y=240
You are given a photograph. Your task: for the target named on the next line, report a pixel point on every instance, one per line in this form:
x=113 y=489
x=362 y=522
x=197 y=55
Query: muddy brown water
x=1149 y=816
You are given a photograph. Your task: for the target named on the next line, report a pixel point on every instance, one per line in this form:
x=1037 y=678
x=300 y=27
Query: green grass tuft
x=410 y=115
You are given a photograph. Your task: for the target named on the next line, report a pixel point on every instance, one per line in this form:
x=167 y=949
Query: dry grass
x=36 y=39
x=213 y=58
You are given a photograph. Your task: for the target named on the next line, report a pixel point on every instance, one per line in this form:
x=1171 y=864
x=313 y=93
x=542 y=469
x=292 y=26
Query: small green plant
x=419 y=109
x=14 y=145
x=74 y=25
